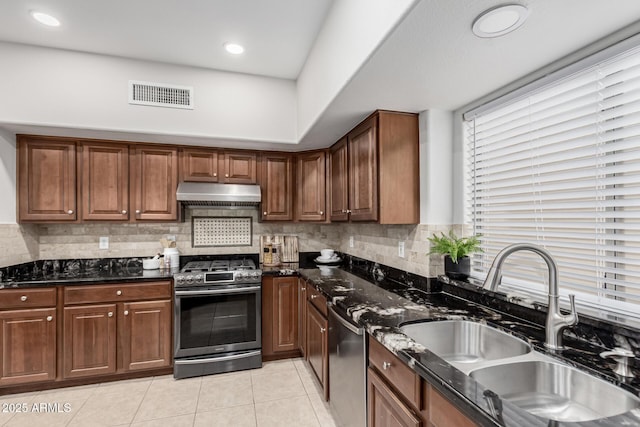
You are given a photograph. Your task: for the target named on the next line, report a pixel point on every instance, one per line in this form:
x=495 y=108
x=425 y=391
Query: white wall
x=7 y=178
x=347 y=39
x=436 y=167
x=52 y=87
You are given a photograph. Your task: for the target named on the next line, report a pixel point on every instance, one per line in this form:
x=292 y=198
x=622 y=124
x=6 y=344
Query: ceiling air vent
x=160 y=95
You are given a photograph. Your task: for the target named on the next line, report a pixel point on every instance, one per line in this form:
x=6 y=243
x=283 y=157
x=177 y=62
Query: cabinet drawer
x=118 y=292
x=396 y=372
x=26 y=298
x=317 y=299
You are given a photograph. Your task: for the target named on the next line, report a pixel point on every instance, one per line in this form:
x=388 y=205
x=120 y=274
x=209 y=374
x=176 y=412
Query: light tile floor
x=281 y=393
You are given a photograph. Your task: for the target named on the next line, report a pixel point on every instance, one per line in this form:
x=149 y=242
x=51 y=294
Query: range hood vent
x=205 y=194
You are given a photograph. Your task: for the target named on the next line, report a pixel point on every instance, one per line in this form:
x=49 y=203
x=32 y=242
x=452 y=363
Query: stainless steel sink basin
x=555 y=391
x=463 y=341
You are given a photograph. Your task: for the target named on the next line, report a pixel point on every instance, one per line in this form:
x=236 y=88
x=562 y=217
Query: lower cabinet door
x=28 y=352
x=318 y=346
x=145 y=334
x=89 y=340
x=384 y=408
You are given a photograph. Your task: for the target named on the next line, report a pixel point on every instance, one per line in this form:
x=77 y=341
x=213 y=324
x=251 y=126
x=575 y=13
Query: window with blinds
x=560 y=167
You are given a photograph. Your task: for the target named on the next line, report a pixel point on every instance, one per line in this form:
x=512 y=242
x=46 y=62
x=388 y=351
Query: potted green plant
x=456 y=250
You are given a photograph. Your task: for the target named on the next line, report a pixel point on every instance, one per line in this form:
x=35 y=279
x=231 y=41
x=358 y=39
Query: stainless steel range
x=217 y=317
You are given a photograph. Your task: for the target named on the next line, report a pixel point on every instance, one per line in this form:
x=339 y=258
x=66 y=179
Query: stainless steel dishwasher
x=347 y=371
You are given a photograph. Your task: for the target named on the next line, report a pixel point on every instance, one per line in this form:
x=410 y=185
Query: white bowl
x=326 y=253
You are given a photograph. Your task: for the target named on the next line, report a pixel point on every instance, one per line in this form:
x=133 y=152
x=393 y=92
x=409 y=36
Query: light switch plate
x=350 y=241
x=104 y=242
x=401 y=249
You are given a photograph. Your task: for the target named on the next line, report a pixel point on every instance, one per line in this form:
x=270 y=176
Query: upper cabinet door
x=363 y=171
x=277 y=187
x=311 y=196
x=46 y=180
x=199 y=165
x=154 y=181
x=240 y=167
x=339 y=179
x=105 y=182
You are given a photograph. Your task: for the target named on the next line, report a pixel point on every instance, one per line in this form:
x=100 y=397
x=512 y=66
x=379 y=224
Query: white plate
x=327 y=261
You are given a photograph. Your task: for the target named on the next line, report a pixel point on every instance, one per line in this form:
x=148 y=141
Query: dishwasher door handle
x=346 y=323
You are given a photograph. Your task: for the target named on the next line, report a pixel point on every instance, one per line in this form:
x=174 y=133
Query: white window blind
x=560 y=167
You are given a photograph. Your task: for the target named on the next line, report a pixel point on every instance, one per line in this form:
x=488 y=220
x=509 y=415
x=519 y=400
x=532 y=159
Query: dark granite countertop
x=78 y=272
x=382 y=305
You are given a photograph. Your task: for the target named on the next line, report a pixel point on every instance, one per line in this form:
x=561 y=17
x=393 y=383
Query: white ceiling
x=277 y=34
x=430 y=61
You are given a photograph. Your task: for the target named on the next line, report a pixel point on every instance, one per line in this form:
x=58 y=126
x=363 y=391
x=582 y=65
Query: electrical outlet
x=351 y=241
x=104 y=242
x=401 y=249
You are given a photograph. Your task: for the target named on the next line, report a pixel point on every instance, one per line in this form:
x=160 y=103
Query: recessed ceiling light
x=500 y=20
x=45 y=19
x=234 y=48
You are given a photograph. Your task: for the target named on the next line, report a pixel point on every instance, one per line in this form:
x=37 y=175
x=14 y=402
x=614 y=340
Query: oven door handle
x=218 y=291
x=217 y=359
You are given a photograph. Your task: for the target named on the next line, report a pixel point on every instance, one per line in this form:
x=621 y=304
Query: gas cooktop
x=218 y=272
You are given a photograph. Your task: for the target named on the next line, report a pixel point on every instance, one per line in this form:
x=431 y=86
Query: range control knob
x=189 y=278
x=198 y=278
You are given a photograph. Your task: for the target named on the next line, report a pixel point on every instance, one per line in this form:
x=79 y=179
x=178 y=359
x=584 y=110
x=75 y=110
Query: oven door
x=211 y=321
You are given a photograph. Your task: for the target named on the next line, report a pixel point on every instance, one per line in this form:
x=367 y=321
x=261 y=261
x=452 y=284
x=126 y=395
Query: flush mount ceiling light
x=234 y=48
x=500 y=20
x=45 y=19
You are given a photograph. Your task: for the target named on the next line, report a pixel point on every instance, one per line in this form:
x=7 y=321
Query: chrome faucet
x=556 y=321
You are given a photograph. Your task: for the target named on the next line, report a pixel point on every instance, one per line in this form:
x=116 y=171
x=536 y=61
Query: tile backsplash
x=379 y=243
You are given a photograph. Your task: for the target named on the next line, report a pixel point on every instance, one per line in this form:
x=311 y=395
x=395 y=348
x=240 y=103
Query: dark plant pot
x=459 y=270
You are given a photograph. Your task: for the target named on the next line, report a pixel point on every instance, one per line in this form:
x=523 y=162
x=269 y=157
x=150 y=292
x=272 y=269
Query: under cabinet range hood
x=195 y=194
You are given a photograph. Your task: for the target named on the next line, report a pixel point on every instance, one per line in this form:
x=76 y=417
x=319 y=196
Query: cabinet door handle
x=118 y=292
x=313 y=296
x=226 y=175
x=215 y=174
x=303 y=289
x=321 y=212
x=126 y=312
x=386 y=365
x=137 y=211
x=23 y=298
x=110 y=314
x=264 y=213
x=344 y=211
x=70 y=212
x=49 y=318
x=124 y=212
x=348 y=210
x=322 y=330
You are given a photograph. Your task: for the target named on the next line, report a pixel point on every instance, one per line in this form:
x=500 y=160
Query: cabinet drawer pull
x=137 y=211
x=303 y=289
x=386 y=365
x=226 y=175
x=124 y=212
x=348 y=210
x=313 y=296
x=344 y=211
x=118 y=292
x=110 y=314
x=49 y=318
x=322 y=330
x=321 y=212
x=215 y=174
x=70 y=212
x=23 y=298
x=126 y=312
x=264 y=213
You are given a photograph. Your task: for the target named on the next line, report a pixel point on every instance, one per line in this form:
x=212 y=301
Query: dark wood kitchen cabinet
x=28 y=322
x=104 y=168
x=116 y=328
x=397 y=396
x=302 y=316
x=46 y=180
x=199 y=165
x=318 y=337
x=311 y=184
x=154 y=181
x=276 y=182
x=374 y=171
x=217 y=165
x=280 y=333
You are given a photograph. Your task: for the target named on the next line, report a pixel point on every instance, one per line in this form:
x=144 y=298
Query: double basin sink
x=509 y=367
